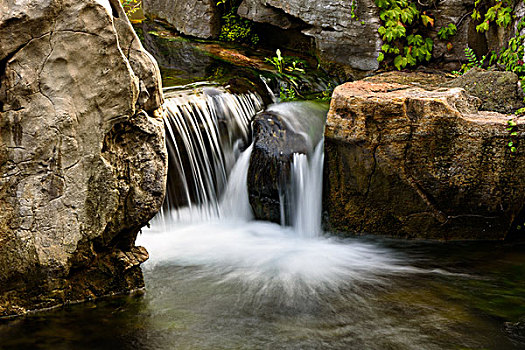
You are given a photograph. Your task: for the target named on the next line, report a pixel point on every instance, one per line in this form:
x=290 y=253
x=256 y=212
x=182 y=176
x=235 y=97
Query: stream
x=218 y=279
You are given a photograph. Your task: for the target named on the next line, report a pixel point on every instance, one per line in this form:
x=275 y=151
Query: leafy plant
x=131 y=6
x=286 y=64
x=513 y=132
x=353 y=10
x=326 y=95
x=287 y=94
x=277 y=61
x=448 y=31
x=404 y=33
x=498 y=11
x=235 y=28
x=472 y=61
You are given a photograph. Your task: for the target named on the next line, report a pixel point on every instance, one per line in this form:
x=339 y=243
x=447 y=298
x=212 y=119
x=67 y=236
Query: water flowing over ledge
x=214 y=230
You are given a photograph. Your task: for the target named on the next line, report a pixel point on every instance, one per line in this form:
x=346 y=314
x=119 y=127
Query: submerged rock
x=498 y=91
x=82 y=152
x=416 y=163
x=516 y=331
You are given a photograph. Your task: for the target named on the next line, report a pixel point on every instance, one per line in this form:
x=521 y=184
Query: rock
x=269 y=171
x=339 y=39
x=200 y=19
x=498 y=91
x=278 y=133
x=82 y=152
x=415 y=163
x=516 y=331
x=354 y=44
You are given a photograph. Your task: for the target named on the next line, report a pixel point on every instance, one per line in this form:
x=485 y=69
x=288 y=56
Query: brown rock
x=415 y=163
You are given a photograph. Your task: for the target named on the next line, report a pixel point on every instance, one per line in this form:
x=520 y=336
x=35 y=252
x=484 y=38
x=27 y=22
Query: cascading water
x=206 y=131
x=307 y=191
x=220 y=236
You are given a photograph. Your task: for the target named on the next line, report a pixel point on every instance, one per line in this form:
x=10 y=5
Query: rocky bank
x=418 y=162
x=82 y=152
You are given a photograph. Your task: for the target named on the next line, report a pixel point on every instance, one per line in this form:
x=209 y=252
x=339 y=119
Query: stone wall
x=82 y=152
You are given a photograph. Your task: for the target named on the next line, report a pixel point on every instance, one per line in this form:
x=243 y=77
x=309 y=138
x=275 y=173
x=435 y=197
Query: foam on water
x=264 y=257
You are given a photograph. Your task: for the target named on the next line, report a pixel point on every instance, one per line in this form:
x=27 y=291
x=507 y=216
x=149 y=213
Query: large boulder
x=201 y=18
x=498 y=91
x=82 y=152
x=415 y=163
x=278 y=133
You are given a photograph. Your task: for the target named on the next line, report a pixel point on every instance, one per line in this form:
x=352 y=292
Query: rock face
x=413 y=163
x=355 y=43
x=199 y=18
x=498 y=91
x=338 y=38
x=82 y=152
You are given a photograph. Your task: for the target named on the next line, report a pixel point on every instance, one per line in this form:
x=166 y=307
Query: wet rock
x=269 y=171
x=415 y=163
x=516 y=331
x=200 y=19
x=498 y=91
x=82 y=152
x=278 y=133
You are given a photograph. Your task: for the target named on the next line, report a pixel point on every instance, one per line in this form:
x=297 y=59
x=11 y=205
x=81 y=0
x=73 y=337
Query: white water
x=263 y=256
x=205 y=131
x=307 y=192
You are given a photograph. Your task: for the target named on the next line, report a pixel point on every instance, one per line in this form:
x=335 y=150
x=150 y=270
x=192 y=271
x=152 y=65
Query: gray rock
x=415 y=163
x=498 y=91
x=199 y=18
x=338 y=38
x=82 y=152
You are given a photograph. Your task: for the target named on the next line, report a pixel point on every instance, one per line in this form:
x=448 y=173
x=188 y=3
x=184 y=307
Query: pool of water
x=253 y=285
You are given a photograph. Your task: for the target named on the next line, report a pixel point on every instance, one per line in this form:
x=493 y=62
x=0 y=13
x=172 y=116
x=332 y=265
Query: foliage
x=511 y=57
x=446 y=32
x=131 y=6
x=472 y=61
x=498 y=11
x=287 y=94
x=277 y=61
x=512 y=128
x=286 y=64
x=326 y=95
x=404 y=33
x=235 y=28
x=353 y=10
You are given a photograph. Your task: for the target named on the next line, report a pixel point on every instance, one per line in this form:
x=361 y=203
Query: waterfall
x=209 y=226
x=235 y=202
x=307 y=191
x=206 y=131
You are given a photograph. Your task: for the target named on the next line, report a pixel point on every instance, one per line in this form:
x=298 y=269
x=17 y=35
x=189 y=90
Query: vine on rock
x=404 y=32
x=234 y=28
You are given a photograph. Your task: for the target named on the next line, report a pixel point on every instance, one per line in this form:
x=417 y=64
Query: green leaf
x=381 y=57
x=400 y=62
